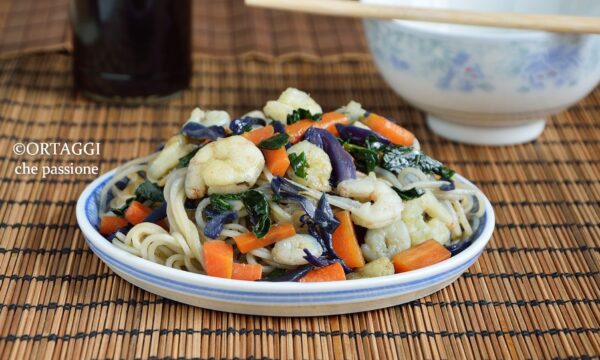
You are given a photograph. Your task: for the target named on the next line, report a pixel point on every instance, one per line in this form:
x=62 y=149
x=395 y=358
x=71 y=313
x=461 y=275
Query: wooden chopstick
x=553 y=23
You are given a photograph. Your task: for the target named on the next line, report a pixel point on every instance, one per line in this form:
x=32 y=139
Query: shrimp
x=385 y=208
x=387 y=241
x=290 y=100
x=228 y=165
x=290 y=251
x=210 y=117
x=175 y=148
x=319 y=166
x=437 y=227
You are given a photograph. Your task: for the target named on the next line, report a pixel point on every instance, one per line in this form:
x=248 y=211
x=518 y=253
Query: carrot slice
x=260 y=134
x=248 y=272
x=218 y=258
x=297 y=129
x=428 y=253
x=277 y=161
x=333 y=272
x=390 y=130
x=137 y=212
x=328 y=121
x=345 y=242
x=109 y=224
x=248 y=241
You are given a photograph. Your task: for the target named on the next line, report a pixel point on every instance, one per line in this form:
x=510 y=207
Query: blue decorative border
x=207 y=292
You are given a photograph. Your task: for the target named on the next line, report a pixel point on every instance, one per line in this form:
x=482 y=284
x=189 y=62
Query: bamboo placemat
x=223 y=27
x=534 y=293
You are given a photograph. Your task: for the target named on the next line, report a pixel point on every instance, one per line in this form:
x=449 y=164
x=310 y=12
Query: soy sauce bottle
x=132 y=50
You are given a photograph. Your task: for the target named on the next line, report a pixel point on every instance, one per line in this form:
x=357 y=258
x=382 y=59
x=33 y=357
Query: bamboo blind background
x=533 y=294
x=223 y=27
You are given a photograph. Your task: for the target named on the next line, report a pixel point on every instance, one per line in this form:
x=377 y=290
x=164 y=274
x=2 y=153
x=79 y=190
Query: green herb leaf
x=121 y=211
x=396 y=158
x=299 y=164
x=365 y=159
x=219 y=201
x=274 y=142
x=184 y=161
x=149 y=191
x=300 y=114
x=276 y=273
x=257 y=206
x=409 y=194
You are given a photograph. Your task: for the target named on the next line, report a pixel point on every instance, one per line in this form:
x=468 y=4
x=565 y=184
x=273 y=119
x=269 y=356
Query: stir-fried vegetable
x=249 y=241
x=341 y=160
x=277 y=161
x=333 y=272
x=218 y=258
x=249 y=272
x=110 y=224
x=149 y=191
x=216 y=223
x=390 y=130
x=196 y=130
x=299 y=164
x=302 y=114
x=274 y=142
x=244 y=124
x=257 y=206
x=428 y=253
x=260 y=134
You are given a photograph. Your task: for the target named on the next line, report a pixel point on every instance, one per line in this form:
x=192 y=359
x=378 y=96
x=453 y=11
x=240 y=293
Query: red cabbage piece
x=357 y=135
x=341 y=161
x=215 y=225
x=199 y=131
x=243 y=124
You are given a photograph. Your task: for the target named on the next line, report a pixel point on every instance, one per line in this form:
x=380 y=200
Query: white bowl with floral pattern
x=487 y=86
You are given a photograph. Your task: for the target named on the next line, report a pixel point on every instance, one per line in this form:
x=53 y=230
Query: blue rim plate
x=277 y=299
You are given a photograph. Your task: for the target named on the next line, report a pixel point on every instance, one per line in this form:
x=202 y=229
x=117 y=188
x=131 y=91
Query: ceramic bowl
x=274 y=299
x=486 y=85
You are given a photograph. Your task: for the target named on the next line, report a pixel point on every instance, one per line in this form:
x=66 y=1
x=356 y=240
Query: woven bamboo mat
x=534 y=293
x=223 y=27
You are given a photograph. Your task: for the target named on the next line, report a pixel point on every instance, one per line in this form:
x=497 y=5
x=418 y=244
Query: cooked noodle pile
x=288 y=194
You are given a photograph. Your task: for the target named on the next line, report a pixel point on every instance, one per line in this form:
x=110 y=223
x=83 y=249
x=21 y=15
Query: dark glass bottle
x=131 y=49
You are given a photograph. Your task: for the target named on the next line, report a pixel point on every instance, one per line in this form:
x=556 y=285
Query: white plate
x=279 y=298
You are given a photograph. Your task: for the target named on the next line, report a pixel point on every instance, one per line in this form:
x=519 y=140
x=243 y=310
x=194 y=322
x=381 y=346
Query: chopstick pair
x=552 y=23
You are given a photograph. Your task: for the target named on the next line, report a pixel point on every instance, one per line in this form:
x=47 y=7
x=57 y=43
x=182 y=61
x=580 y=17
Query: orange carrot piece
x=109 y=224
x=277 y=161
x=248 y=241
x=218 y=258
x=260 y=134
x=345 y=242
x=329 y=120
x=428 y=253
x=390 y=130
x=248 y=272
x=333 y=272
x=137 y=212
x=297 y=129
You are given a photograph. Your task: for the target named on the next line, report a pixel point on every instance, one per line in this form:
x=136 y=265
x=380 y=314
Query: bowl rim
x=468 y=31
x=101 y=243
